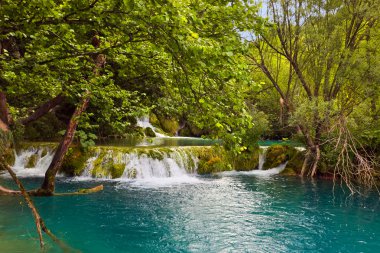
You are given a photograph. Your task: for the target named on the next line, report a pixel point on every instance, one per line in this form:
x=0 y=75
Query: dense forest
x=82 y=71
x=237 y=71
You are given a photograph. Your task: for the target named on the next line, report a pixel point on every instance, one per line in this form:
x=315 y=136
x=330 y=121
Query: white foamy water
x=262 y=156
x=43 y=158
x=155 y=167
x=265 y=173
x=144 y=123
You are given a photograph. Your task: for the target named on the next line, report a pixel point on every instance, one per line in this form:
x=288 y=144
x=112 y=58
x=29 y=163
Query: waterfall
x=262 y=155
x=144 y=123
x=159 y=165
x=33 y=161
x=134 y=164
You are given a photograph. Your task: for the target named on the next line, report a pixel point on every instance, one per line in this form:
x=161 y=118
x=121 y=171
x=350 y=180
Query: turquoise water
x=225 y=213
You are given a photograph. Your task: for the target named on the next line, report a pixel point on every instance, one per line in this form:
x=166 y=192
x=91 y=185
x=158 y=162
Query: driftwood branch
x=27 y=198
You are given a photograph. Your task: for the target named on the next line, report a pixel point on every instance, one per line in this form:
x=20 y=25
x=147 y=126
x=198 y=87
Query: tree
x=79 y=52
x=316 y=55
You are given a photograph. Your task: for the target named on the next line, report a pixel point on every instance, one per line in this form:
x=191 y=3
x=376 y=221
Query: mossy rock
x=215 y=164
x=247 y=161
x=295 y=163
x=32 y=161
x=277 y=155
x=117 y=170
x=149 y=132
x=153 y=119
x=185 y=132
x=169 y=125
x=74 y=162
x=289 y=172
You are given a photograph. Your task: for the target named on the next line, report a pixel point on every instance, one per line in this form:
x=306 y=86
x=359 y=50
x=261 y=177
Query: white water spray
x=42 y=156
x=144 y=123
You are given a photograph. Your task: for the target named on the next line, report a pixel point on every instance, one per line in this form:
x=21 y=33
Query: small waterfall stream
x=145 y=123
x=33 y=161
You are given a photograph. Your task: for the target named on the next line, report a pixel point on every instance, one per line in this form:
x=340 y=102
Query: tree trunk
x=4 y=112
x=48 y=186
x=305 y=164
x=43 y=109
x=316 y=161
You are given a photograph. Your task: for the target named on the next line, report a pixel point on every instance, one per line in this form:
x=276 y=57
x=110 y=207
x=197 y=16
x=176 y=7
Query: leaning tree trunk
x=48 y=186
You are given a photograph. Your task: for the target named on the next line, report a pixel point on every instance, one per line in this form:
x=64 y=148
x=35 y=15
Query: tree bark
x=48 y=186
x=43 y=109
x=4 y=111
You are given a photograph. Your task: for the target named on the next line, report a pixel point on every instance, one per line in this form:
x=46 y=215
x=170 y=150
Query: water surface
x=225 y=213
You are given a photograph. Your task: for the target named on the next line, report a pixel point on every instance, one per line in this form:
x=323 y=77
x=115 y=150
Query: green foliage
x=177 y=57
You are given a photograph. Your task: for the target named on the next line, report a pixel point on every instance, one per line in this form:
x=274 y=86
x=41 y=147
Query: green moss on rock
x=295 y=163
x=149 y=132
x=288 y=172
x=32 y=161
x=154 y=120
x=74 y=162
x=169 y=125
x=277 y=155
x=246 y=161
x=117 y=170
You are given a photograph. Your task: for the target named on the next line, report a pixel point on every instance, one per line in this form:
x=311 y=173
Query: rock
x=149 y=132
x=169 y=125
x=295 y=163
x=247 y=161
x=32 y=161
x=74 y=162
x=277 y=155
x=154 y=120
x=288 y=172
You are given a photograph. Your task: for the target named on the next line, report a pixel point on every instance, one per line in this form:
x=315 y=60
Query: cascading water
x=144 y=165
x=158 y=165
x=33 y=161
x=262 y=155
x=144 y=123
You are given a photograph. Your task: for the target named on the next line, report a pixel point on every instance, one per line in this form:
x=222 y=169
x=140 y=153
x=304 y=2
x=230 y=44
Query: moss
x=288 y=172
x=154 y=120
x=74 y=162
x=32 y=161
x=278 y=154
x=149 y=132
x=44 y=152
x=117 y=170
x=169 y=125
x=215 y=164
x=296 y=162
x=246 y=161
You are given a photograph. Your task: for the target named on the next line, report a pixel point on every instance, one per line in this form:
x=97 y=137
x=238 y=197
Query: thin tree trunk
x=316 y=161
x=305 y=164
x=43 y=109
x=48 y=186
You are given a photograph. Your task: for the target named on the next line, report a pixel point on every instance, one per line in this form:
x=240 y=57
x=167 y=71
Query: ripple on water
x=223 y=213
